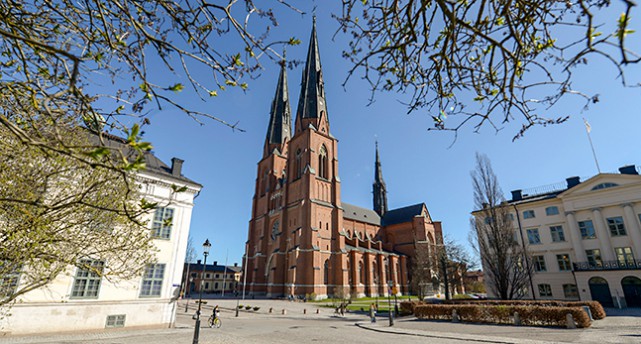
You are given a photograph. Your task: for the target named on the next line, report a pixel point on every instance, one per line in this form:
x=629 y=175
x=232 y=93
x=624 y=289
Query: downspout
x=527 y=262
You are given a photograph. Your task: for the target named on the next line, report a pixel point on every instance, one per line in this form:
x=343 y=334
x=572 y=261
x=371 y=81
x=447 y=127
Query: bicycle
x=214 y=319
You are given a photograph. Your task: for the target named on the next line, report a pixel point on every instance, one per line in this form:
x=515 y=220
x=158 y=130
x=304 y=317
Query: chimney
x=630 y=169
x=176 y=166
x=235 y=264
x=516 y=195
x=215 y=263
x=573 y=181
x=198 y=261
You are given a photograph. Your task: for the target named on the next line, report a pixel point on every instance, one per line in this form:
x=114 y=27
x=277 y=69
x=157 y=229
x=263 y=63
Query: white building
x=80 y=300
x=584 y=238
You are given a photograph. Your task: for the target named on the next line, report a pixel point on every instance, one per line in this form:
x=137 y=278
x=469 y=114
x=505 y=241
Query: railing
x=632 y=264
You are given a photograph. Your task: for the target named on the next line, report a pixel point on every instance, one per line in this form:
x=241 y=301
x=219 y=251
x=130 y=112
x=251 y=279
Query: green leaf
x=237 y=61
x=176 y=87
x=294 y=41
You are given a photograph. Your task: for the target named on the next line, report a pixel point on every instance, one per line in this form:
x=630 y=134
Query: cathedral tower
x=380 y=190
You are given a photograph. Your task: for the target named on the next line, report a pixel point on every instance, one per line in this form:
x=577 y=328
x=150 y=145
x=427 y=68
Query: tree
x=456 y=261
x=424 y=270
x=67 y=196
x=486 y=62
x=56 y=213
x=505 y=261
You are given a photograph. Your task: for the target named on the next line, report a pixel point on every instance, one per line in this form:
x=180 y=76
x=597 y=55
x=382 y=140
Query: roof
x=401 y=215
x=213 y=268
x=353 y=212
x=152 y=163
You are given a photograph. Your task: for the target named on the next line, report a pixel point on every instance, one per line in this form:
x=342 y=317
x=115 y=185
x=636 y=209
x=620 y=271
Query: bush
x=240 y=306
x=530 y=315
x=248 y=307
x=407 y=307
x=461 y=297
x=595 y=307
x=256 y=308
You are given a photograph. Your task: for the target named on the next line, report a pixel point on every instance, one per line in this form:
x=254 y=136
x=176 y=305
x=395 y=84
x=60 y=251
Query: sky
x=418 y=165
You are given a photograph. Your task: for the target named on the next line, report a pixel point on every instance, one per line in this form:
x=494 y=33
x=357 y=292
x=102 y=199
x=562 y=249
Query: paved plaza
x=301 y=324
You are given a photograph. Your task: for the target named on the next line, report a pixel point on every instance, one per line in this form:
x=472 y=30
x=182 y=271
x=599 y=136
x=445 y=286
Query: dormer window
x=604 y=186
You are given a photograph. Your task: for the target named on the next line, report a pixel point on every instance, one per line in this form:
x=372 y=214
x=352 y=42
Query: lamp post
x=206 y=247
x=191 y=281
x=389 y=303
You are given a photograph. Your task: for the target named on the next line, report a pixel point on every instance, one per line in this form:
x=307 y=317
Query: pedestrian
x=372 y=312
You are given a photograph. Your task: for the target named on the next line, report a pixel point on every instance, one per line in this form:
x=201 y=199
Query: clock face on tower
x=275 y=229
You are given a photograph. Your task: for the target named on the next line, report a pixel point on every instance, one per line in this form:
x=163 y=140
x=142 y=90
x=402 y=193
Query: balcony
x=608 y=265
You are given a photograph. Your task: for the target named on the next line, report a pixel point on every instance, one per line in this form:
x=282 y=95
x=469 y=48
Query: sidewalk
x=613 y=329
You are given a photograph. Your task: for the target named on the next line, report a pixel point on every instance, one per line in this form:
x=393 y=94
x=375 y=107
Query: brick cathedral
x=302 y=238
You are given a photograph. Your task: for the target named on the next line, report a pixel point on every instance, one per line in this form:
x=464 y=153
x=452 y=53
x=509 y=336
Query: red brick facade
x=302 y=240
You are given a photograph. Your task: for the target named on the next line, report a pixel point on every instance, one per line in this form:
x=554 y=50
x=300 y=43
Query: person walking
x=372 y=312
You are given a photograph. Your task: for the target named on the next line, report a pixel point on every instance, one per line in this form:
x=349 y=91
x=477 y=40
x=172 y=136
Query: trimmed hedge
x=407 y=307
x=595 y=307
x=530 y=315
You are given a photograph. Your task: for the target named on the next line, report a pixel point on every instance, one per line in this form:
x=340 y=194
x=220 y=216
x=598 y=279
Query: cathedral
x=303 y=240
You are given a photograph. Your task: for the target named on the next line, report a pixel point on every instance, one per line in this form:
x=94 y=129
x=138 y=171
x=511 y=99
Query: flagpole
x=588 y=128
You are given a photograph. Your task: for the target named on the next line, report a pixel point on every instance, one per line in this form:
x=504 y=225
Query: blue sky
x=418 y=166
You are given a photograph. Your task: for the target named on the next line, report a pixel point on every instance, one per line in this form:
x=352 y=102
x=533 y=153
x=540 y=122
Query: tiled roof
x=195 y=267
x=152 y=163
x=401 y=215
x=353 y=212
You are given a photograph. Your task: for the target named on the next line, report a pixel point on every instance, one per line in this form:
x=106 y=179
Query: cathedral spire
x=279 y=130
x=380 y=190
x=311 y=104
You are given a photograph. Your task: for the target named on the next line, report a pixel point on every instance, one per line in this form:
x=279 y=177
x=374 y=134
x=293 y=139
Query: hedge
x=503 y=314
x=407 y=307
x=595 y=307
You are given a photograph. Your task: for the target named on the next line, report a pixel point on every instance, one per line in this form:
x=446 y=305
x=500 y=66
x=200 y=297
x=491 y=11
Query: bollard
x=270 y=310
x=587 y=310
x=305 y=311
x=517 y=319
x=455 y=317
x=317 y=310
x=284 y=312
x=570 y=321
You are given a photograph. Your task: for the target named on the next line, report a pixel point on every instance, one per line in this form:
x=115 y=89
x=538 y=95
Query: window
x=152 y=280
x=570 y=291
x=624 y=255
x=556 y=232
x=322 y=162
x=326 y=272
x=529 y=214
x=533 y=236
x=9 y=281
x=488 y=220
x=161 y=227
x=587 y=229
x=564 y=262
x=594 y=258
x=616 y=226
x=539 y=263
x=87 y=281
x=545 y=290
x=510 y=216
x=116 y=320
x=604 y=186
x=298 y=169
x=549 y=211
x=208 y=276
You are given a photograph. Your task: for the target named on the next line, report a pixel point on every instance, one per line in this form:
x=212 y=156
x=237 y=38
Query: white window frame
x=552 y=210
x=86 y=283
x=616 y=225
x=152 y=280
x=530 y=234
x=557 y=234
x=159 y=230
x=529 y=214
x=545 y=290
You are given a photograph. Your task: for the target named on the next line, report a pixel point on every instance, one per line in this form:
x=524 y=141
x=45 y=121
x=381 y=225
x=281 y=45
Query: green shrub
x=248 y=307
x=240 y=306
x=531 y=315
x=256 y=308
x=461 y=297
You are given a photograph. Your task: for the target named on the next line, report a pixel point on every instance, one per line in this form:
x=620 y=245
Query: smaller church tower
x=380 y=190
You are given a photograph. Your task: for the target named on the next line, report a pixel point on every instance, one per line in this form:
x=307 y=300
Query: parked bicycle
x=214 y=318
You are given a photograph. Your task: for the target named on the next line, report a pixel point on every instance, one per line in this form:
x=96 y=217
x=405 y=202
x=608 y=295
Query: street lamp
x=206 y=247
x=389 y=303
x=191 y=281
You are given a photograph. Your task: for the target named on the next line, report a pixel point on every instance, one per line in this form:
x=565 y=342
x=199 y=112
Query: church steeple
x=280 y=127
x=380 y=190
x=312 y=108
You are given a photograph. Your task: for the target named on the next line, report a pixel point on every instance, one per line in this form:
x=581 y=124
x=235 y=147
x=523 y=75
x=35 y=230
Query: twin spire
x=380 y=189
x=311 y=104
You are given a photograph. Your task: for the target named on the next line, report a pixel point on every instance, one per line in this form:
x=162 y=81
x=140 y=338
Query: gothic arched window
x=322 y=162
x=298 y=169
x=361 y=273
x=326 y=276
